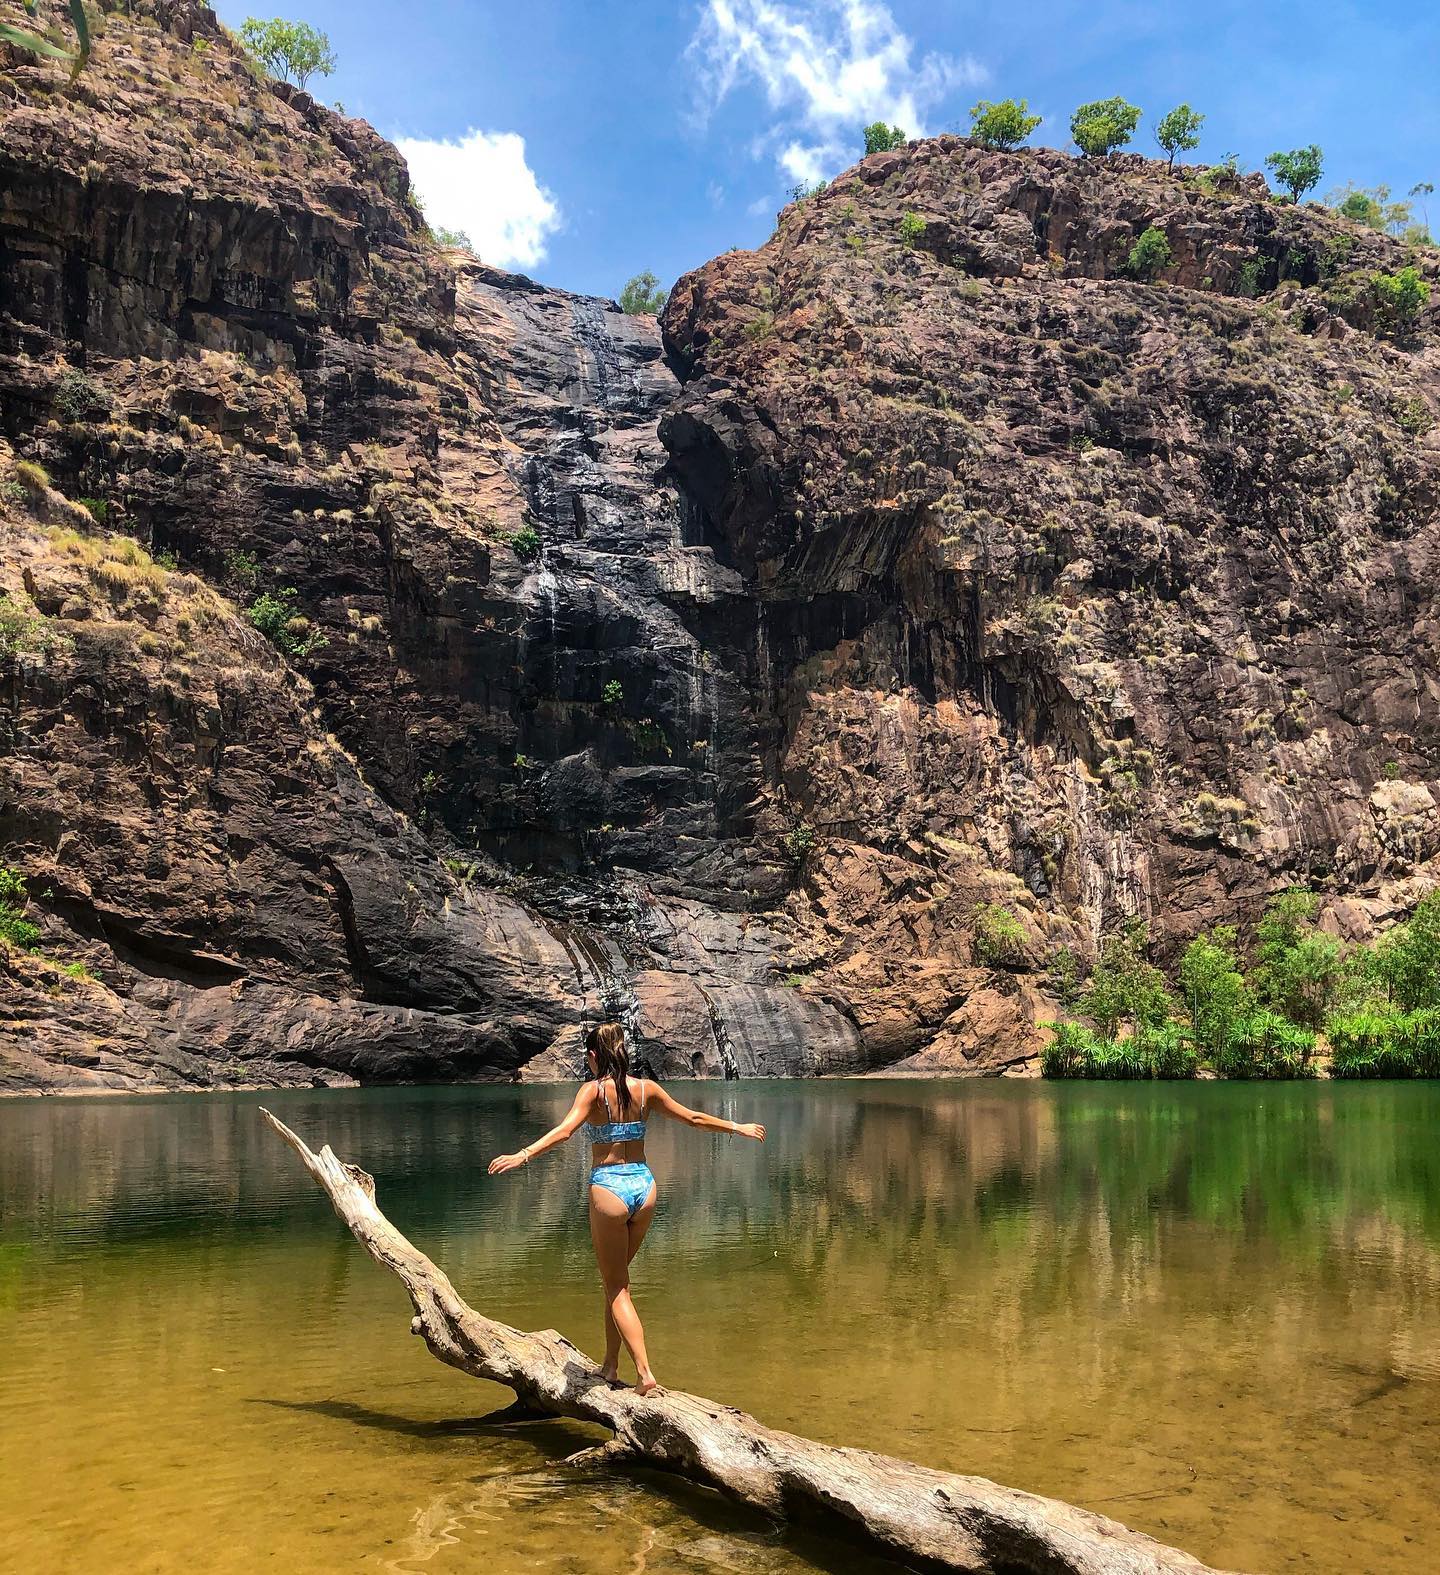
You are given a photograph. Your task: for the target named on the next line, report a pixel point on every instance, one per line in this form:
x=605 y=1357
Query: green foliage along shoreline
x=1375 y=1008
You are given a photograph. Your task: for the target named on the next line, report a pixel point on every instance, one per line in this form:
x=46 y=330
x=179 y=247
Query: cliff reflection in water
x=1208 y=1309
x=875 y=1162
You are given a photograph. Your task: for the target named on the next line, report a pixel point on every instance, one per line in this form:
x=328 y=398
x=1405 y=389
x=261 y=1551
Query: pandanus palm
x=38 y=44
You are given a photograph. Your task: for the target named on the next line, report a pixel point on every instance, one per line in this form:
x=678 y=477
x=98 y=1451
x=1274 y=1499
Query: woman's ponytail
x=607 y=1044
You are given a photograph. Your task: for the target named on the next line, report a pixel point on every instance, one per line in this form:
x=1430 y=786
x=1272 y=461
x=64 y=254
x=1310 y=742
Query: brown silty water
x=1209 y=1311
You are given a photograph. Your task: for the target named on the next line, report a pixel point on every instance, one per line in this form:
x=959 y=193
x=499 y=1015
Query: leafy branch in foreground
x=37 y=44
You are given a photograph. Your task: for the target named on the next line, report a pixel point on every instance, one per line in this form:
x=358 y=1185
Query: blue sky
x=588 y=140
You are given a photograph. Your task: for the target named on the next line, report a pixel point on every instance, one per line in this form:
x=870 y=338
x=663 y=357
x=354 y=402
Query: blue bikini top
x=613 y=1131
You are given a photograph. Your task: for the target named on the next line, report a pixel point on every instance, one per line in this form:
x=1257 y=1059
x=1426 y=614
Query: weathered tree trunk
x=927 y=1519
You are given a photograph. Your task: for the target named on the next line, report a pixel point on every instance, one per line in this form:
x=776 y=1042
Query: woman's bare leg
x=638 y=1226
x=611 y=1231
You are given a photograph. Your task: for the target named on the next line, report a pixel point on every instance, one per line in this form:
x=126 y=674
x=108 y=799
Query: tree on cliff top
x=1372 y=207
x=292 y=51
x=880 y=138
x=1297 y=171
x=1003 y=126
x=1103 y=125
x=1179 y=131
x=642 y=295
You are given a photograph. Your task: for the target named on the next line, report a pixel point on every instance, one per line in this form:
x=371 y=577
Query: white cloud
x=483 y=185
x=826 y=68
x=803 y=164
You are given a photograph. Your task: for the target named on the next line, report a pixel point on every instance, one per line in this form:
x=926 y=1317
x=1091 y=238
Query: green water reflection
x=1209 y=1310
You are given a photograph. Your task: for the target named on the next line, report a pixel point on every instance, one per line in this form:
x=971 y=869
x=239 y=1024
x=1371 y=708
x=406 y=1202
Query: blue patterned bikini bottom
x=630 y=1183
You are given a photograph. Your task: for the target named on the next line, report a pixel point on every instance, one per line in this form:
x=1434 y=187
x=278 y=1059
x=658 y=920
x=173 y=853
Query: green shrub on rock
x=1179 y=131
x=15 y=929
x=997 y=937
x=1103 y=125
x=642 y=296
x=24 y=629
x=525 y=544
x=76 y=396
x=273 y=614
x=1064 y=976
x=1297 y=171
x=1003 y=126
x=912 y=228
x=1150 y=254
x=1399 y=299
x=800 y=843
x=292 y=51
x=880 y=138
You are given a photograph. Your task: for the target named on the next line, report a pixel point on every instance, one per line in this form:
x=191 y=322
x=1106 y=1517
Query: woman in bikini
x=613 y=1109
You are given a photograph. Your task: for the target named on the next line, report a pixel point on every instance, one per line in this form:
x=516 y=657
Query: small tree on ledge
x=292 y=51
x=1297 y=171
x=1179 y=131
x=880 y=138
x=642 y=295
x=1103 y=126
x=1003 y=126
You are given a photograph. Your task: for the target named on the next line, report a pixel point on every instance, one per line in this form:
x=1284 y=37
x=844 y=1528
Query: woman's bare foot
x=610 y=1372
x=646 y=1384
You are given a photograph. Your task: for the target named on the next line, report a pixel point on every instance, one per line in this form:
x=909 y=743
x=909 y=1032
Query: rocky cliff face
x=714 y=680
x=1120 y=591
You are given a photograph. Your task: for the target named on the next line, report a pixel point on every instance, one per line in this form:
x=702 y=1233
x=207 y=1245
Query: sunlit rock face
x=712 y=676
x=1118 y=589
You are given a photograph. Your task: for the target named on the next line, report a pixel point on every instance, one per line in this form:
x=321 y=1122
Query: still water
x=1212 y=1311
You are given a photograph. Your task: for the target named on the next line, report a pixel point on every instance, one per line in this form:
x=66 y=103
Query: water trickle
x=724 y=1045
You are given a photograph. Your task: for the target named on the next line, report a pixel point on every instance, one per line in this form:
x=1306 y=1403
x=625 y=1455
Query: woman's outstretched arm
x=555 y=1136
x=661 y=1101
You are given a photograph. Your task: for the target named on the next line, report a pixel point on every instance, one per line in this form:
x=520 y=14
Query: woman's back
x=621 y=1136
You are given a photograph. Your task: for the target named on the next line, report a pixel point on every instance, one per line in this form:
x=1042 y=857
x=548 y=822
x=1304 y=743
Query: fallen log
x=929 y=1520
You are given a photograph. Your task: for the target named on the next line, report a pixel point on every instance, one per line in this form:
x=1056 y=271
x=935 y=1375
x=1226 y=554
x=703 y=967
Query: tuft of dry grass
x=118 y=562
x=34 y=478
